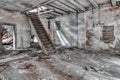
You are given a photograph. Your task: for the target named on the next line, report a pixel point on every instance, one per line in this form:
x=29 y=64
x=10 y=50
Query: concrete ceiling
x=66 y=6
x=20 y=5
x=60 y=7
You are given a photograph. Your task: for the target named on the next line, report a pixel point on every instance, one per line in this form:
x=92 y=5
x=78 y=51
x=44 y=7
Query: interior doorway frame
x=14 y=33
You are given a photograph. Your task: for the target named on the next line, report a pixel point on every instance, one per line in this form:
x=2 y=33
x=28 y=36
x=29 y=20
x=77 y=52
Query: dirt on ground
x=65 y=64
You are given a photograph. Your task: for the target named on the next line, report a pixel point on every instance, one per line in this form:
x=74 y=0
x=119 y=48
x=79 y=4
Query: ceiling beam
x=58 y=8
x=38 y=5
x=45 y=12
x=55 y=13
x=66 y=5
x=58 y=12
x=45 y=2
x=49 y=15
x=76 y=4
x=52 y=13
x=71 y=4
x=93 y=3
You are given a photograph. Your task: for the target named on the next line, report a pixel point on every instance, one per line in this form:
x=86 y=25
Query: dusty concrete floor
x=68 y=64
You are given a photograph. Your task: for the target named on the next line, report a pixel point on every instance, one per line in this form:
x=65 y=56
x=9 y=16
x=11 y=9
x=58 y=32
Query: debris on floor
x=70 y=64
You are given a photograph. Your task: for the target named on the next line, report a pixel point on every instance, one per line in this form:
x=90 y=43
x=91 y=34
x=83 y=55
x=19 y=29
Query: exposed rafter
x=66 y=5
x=80 y=5
x=46 y=2
x=58 y=12
x=93 y=3
x=58 y=8
x=46 y=12
x=39 y=4
x=76 y=4
x=73 y=5
x=53 y=13
x=49 y=15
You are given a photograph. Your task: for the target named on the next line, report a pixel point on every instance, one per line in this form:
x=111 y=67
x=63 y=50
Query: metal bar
x=58 y=8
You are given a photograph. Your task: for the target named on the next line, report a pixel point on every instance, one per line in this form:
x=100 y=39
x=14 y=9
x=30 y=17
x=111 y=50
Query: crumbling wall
x=101 y=18
x=86 y=29
x=68 y=28
x=23 y=32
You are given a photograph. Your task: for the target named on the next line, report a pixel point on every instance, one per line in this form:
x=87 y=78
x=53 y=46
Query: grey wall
x=88 y=32
x=23 y=32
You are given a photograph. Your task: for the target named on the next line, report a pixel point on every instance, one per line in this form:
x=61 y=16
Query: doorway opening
x=8 y=36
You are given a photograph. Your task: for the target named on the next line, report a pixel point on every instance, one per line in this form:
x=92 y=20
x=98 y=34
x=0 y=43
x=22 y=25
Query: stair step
x=39 y=28
x=41 y=32
x=45 y=40
x=34 y=20
x=50 y=49
x=34 y=16
x=36 y=23
x=44 y=37
x=48 y=46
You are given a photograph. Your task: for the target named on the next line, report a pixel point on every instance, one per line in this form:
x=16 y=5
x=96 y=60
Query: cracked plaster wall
x=77 y=28
x=23 y=31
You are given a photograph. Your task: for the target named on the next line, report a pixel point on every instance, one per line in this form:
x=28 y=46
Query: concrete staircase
x=44 y=40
